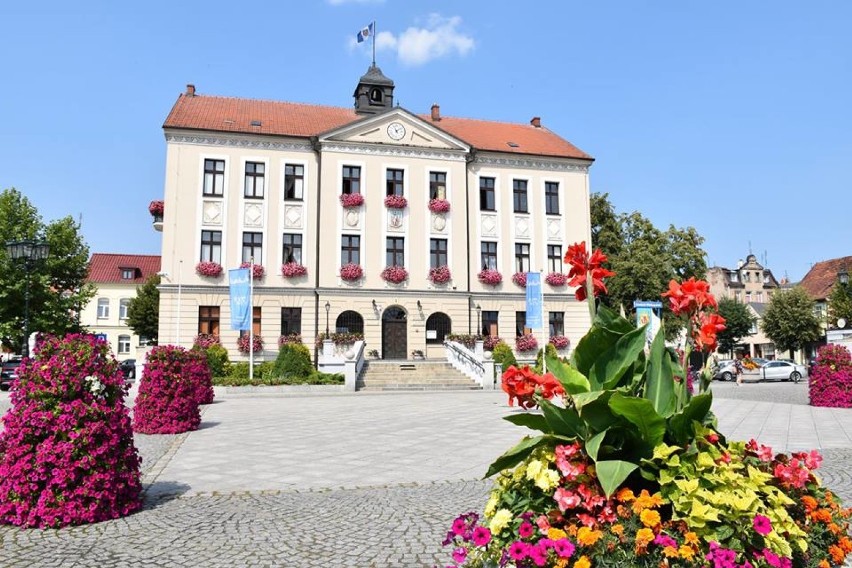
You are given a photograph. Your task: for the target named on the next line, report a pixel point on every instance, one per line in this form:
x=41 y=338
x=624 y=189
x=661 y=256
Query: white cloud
x=440 y=37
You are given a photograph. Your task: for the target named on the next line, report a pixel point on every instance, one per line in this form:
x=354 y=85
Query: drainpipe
x=316 y=147
x=468 y=160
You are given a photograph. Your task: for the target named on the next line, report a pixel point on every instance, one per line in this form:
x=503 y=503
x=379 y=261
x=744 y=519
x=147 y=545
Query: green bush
x=270 y=380
x=294 y=360
x=217 y=360
x=503 y=354
x=551 y=352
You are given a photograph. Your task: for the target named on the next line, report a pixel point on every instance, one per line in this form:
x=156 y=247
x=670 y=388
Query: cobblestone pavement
x=368 y=519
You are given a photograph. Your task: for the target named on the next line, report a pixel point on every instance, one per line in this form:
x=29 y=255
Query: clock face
x=396 y=130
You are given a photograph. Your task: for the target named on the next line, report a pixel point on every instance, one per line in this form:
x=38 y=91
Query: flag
x=366 y=32
x=240 y=298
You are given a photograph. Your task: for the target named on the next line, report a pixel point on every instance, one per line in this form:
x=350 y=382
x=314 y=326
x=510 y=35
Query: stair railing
x=468 y=363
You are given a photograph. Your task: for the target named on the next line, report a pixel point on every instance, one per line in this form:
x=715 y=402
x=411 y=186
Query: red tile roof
x=106 y=268
x=822 y=276
x=226 y=114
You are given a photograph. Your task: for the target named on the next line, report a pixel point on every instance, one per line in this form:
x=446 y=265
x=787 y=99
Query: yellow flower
x=491 y=505
x=644 y=537
x=646 y=501
x=500 y=521
x=649 y=518
x=691 y=538
x=625 y=495
x=556 y=534
x=617 y=529
x=582 y=562
x=533 y=469
x=587 y=536
x=686 y=552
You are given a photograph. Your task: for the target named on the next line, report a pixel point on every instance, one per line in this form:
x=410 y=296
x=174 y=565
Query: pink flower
x=439 y=206
x=520 y=278
x=543 y=523
x=396 y=202
x=459 y=554
x=156 y=208
x=556 y=279
x=565 y=499
x=395 y=274
x=526 y=342
x=559 y=341
x=564 y=548
x=351 y=200
x=481 y=536
x=209 y=269
x=459 y=526
x=665 y=540
x=243 y=343
x=519 y=550
x=525 y=530
x=813 y=460
x=351 y=272
x=490 y=277
x=761 y=524
x=440 y=274
x=293 y=269
x=538 y=554
x=257 y=270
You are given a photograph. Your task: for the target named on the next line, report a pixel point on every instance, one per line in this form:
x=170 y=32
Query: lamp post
x=478 y=311
x=29 y=251
x=327 y=309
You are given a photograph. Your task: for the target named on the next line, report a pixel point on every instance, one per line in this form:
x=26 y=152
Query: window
x=437 y=328
x=254 y=180
x=758 y=296
x=551 y=198
x=522 y=257
x=208 y=320
x=255 y=323
x=746 y=277
x=291 y=320
x=738 y=296
x=437 y=185
x=437 y=253
x=252 y=247
x=351 y=179
x=748 y=297
x=486 y=194
x=519 y=195
x=520 y=323
x=292 y=248
x=489 y=323
x=214 y=177
x=211 y=246
x=350 y=250
x=554 y=258
x=128 y=273
x=123 y=344
x=735 y=277
x=395 y=251
x=294 y=182
x=489 y=255
x=103 y=308
x=556 y=323
x=349 y=322
x=123 y=307
x=394 y=183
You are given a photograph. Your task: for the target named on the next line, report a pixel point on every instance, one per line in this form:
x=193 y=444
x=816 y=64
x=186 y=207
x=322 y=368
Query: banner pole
x=251 y=319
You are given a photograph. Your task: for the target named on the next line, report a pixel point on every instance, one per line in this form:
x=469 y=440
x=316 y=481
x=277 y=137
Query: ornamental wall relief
x=395 y=220
x=554 y=229
x=439 y=222
x=211 y=212
x=253 y=215
x=489 y=225
x=352 y=218
x=522 y=227
x=293 y=216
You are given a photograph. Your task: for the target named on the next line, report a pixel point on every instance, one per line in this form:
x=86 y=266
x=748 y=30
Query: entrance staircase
x=401 y=375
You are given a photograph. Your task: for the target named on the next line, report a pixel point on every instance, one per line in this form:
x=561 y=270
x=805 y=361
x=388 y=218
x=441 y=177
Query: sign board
x=431 y=334
x=98 y=336
x=650 y=314
x=238 y=280
x=534 y=301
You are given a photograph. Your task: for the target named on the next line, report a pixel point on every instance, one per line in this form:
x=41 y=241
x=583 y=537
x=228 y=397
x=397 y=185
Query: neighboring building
x=754 y=285
x=819 y=283
x=266 y=180
x=116 y=277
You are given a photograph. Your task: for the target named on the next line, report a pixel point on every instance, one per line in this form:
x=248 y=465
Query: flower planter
x=351 y=200
x=396 y=202
x=440 y=275
x=520 y=278
x=208 y=269
x=257 y=271
x=439 y=206
x=395 y=274
x=559 y=341
x=243 y=343
x=293 y=270
x=556 y=279
x=351 y=272
x=526 y=343
x=490 y=277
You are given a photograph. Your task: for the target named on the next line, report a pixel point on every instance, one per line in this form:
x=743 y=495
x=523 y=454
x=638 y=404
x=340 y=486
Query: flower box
x=293 y=270
x=257 y=271
x=440 y=274
x=490 y=277
x=208 y=269
x=351 y=272
x=395 y=274
x=559 y=341
x=556 y=279
x=205 y=340
x=289 y=339
x=396 y=202
x=350 y=200
x=526 y=342
x=340 y=338
x=520 y=278
x=156 y=208
x=243 y=343
x=439 y=206
x=489 y=342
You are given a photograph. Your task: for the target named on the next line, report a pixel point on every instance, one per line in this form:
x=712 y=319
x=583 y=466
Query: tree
x=840 y=303
x=789 y=320
x=143 y=312
x=57 y=286
x=738 y=323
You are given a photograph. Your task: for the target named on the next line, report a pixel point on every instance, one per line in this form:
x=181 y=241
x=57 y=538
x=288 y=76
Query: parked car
x=783 y=371
x=8 y=373
x=128 y=369
x=725 y=370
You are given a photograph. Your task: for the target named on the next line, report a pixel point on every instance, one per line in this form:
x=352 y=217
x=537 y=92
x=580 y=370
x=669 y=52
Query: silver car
x=783 y=371
x=725 y=371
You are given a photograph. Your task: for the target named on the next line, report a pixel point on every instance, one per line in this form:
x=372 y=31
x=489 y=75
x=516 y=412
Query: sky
x=731 y=117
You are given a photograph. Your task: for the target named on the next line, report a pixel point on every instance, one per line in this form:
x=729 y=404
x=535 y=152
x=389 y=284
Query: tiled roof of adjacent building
x=110 y=268
x=275 y=118
x=822 y=276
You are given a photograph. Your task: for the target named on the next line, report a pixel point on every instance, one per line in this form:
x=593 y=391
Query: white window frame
x=103 y=308
x=123 y=308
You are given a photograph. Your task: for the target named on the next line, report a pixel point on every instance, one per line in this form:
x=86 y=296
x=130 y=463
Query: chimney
x=436 y=112
x=190 y=90
x=536 y=121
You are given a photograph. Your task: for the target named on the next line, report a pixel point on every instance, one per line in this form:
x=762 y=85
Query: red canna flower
x=583 y=267
x=522 y=384
x=690 y=297
x=704 y=334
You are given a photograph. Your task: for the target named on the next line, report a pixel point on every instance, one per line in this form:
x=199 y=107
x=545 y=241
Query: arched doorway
x=394 y=333
x=349 y=322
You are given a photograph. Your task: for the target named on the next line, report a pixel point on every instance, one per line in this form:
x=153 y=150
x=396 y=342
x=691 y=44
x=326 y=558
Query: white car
x=783 y=371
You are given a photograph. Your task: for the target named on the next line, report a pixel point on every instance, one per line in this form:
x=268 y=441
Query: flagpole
x=251 y=319
x=374 y=43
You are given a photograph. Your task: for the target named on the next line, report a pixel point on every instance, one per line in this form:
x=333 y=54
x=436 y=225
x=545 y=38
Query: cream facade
x=299 y=216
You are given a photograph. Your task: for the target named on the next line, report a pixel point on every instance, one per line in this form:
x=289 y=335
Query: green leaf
x=681 y=424
x=592 y=345
x=563 y=421
x=615 y=361
x=610 y=320
x=532 y=421
x=517 y=454
x=640 y=412
x=593 y=444
x=573 y=381
x=659 y=382
x=612 y=473
x=597 y=413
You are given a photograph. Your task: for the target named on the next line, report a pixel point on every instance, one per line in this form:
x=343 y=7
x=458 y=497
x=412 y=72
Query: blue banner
x=534 y=301
x=238 y=280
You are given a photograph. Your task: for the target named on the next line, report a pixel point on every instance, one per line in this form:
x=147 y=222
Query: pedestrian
x=738 y=367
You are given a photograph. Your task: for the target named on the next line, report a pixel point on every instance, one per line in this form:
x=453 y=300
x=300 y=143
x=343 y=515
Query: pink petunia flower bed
x=167 y=400
x=198 y=371
x=830 y=382
x=293 y=270
x=66 y=454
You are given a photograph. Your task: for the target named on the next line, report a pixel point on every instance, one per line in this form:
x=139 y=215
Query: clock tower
x=374 y=93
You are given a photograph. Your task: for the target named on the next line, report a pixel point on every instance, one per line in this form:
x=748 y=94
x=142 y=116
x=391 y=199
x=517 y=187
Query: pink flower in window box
x=350 y=200
x=156 y=208
x=293 y=270
x=559 y=341
x=489 y=342
x=243 y=343
x=395 y=274
x=440 y=274
x=439 y=206
x=257 y=271
x=520 y=278
x=208 y=269
x=289 y=339
x=205 y=340
x=351 y=272
x=396 y=202
x=490 y=277
x=556 y=279
x=526 y=343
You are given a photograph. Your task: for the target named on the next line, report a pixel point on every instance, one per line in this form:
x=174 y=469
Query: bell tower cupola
x=374 y=93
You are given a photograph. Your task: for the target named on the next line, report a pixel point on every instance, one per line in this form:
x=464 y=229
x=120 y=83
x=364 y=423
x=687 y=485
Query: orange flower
x=821 y=515
x=823 y=564
x=650 y=518
x=646 y=501
x=582 y=562
x=846 y=544
x=704 y=334
x=644 y=537
x=556 y=534
x=587 y=536
x=837 y=554
x=690 y=297
x=625 y=495
x=670 y=552
x=686 y=552
x=617 y=529
x=623 y=511
x=691 y=538
x=522 y=384
x=809 y=503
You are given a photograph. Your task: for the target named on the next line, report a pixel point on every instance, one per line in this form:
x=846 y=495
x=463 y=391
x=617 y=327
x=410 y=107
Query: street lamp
x=478 y=311
x=30 y=251
x=327 y=309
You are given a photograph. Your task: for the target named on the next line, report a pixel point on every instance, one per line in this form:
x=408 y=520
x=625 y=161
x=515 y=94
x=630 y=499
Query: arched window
x=349 y=322
x=376 y=95
x=123 y=308
x=438 y=325
x=103 y=308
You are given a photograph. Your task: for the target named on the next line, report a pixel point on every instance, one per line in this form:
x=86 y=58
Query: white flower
x=96 y=387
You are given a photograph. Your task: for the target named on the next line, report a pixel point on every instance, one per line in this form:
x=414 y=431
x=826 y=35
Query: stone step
x=412 y=376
